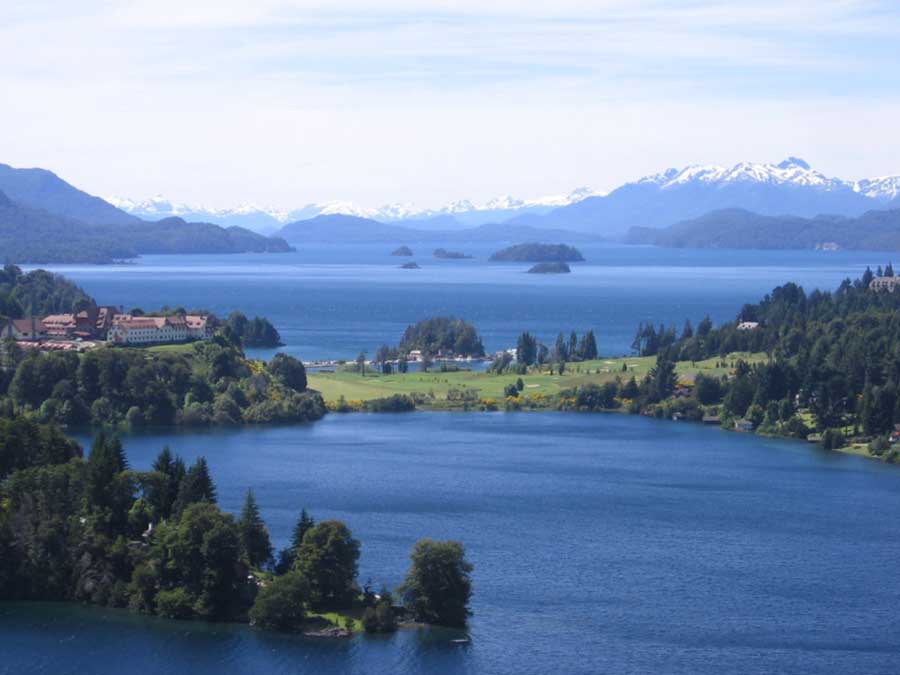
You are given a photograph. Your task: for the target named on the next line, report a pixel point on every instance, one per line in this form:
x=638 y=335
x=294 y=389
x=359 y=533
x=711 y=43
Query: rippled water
x=601 y=543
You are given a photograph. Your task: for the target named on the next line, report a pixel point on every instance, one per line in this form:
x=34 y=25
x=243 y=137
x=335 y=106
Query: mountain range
x=658 y=200
x=44 y=219
x=266 y=219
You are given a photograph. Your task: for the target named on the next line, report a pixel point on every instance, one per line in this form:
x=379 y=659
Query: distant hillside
x=29 y=235
x=353 y=229
x=738 y=228
x=42 y=189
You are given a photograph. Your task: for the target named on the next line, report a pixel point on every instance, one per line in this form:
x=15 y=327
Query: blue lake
x=334 y=301
x=601 y=543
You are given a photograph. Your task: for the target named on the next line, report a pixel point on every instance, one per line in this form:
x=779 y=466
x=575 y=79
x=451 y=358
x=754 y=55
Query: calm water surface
x=601 y=543
x=334 y=301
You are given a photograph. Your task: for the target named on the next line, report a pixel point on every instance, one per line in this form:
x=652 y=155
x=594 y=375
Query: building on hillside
x=884 y=284
x=89 y=324
x=748 y=325
x=136 y=330
x=23 y=330
x=61 y=326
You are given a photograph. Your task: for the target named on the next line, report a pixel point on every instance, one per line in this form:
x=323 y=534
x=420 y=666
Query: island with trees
x=97 y=531
x=538 y=253
x=402 y=251
x=550 y=268
x=444 y=254
x=412 y=265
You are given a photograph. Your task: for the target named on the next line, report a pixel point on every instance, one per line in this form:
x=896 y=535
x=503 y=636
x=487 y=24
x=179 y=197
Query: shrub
x=380 y=619
x=832 y=439
x=280 y=604
x=175 y=604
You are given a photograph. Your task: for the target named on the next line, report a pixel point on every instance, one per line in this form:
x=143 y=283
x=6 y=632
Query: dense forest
x=38 y=293
x=538 y=253
x=833 y=364
x=97 y=531
x=211 y=383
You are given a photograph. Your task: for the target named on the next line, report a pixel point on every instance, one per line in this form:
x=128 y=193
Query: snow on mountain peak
x=792 y=171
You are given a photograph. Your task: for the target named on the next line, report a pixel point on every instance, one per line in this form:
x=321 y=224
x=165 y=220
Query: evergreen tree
x=572 y=347
x=526 y=349
x=304 y=524
x=106 y=461
x=587 y=350
x=688 y=331
x=254 y=537
x=196 y=486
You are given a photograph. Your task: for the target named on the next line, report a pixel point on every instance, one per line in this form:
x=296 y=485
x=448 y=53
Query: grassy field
x=180 y=348
x=355 y=387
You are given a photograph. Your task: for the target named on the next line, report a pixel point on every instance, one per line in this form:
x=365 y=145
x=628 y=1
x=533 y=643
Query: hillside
x=42 y=189
x=354 y=229
x=738 y=228
x=29 y=235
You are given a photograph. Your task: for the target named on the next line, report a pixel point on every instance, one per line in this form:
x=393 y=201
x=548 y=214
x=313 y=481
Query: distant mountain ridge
x=339 y=228
x=791 y=186
x=739 y=228
x=462 y=213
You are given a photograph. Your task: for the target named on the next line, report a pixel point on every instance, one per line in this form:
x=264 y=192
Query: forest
x=97 y=531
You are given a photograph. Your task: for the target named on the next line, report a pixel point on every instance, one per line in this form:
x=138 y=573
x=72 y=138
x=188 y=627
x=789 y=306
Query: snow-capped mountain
x=267 y=219
x=788 y=187
x=792 y=171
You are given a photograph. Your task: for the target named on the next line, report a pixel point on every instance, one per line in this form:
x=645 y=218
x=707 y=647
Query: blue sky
x=284 y=103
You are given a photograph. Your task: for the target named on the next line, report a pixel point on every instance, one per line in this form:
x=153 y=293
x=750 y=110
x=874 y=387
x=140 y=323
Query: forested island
x=402 y=251
x=97 y=531
x=538 y=253
x=444 y=254
x=550 y=268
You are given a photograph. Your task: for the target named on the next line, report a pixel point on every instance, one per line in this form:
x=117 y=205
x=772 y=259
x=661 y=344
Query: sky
x=284 y=103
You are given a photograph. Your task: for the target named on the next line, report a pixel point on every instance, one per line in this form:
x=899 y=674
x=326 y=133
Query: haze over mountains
x=659 y=200
x=45 y=219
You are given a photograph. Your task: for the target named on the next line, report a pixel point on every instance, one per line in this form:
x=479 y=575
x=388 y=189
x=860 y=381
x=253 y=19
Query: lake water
x=601 y=543
x=334 y=301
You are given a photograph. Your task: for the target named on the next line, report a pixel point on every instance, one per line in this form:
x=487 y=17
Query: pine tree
x=304 y=525
x=254 y=537
x=572 y=346
x=107 y=459
x=196 y=486
x=588 y=348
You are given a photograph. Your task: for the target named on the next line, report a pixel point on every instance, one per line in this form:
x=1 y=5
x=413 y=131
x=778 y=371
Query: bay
x=601 y=543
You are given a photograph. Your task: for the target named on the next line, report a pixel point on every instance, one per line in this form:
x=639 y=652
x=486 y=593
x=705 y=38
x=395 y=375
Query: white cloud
x=286 y=102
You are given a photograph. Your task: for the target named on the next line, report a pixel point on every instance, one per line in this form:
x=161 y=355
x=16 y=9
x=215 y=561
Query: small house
x=743 y=425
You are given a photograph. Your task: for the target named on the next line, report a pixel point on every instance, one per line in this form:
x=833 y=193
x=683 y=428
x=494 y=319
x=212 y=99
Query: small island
x=444 y=254
x=411 y=265
x=550 y=268
x=404 y=251
x=538 y=253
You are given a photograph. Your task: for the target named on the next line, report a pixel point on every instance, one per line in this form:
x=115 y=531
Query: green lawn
x=180 y=348
x=355 y=387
